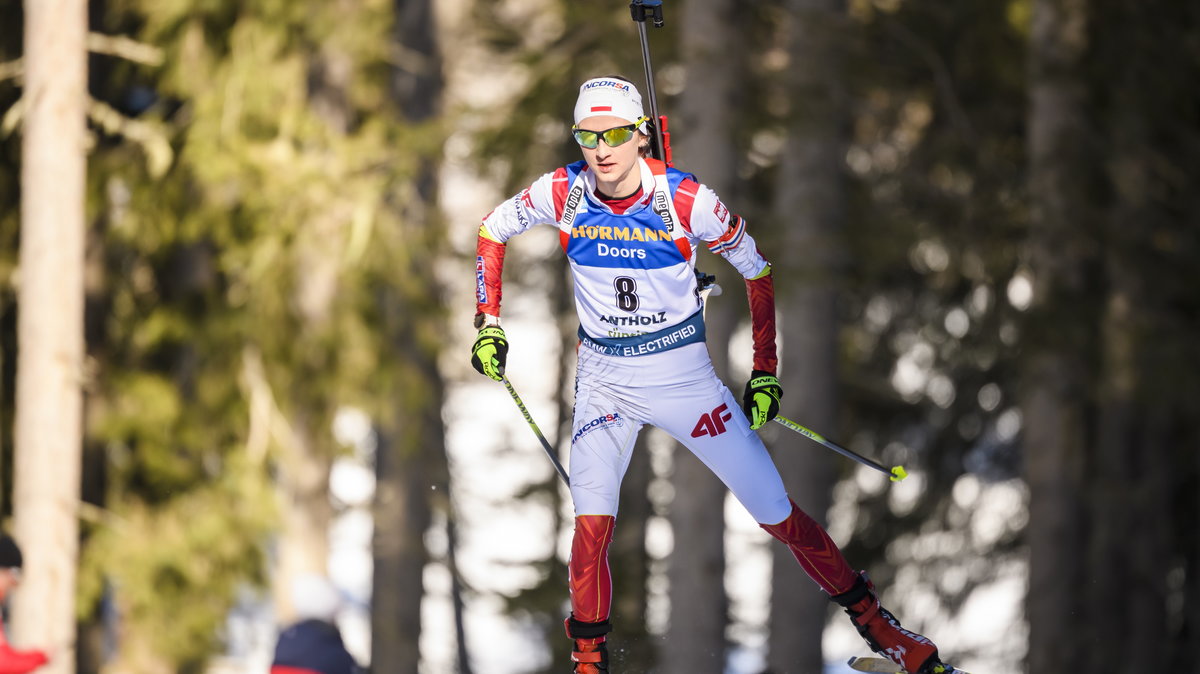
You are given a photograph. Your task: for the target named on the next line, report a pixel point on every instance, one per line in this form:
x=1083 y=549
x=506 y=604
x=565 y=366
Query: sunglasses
x=618 y=135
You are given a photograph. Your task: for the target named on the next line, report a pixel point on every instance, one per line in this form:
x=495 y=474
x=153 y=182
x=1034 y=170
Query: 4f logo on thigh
x=712 y=423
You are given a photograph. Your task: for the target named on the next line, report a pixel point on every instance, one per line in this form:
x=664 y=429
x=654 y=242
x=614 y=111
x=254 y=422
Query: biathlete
x=630 y=227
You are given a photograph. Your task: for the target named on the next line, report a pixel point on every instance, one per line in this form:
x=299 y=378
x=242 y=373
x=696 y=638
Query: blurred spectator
x=13 y=661
x=313 y=644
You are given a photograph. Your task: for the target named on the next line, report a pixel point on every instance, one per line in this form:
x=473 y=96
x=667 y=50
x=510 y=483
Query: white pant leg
x=673 y=390
x=702 y=414
x=603 y=434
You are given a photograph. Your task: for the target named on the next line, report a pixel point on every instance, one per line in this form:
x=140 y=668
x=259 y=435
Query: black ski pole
x=660 y=147
x=562 y=472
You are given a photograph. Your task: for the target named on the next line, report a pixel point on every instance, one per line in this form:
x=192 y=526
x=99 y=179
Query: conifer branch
x=126 y=48
x=159 y=154
x=97 y=43
x=12 y=118
x=13 y=69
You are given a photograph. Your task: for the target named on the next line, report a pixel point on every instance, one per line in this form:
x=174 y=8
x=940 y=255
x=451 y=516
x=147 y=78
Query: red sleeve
x=761 y=293
x=489 y=263
x=558 y=189
x=685 y=198
x=19 y=662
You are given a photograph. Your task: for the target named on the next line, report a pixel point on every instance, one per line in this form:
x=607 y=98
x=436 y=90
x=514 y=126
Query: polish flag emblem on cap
x=611 y=97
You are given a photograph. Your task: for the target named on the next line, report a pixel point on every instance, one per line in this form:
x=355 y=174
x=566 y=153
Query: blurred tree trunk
x=1058 y=336
x=1133 y=482
x=456 y=587
x=304 y=466
x=704 y=144
x=48 y=427
x=1130 y=487
x=810 y=212
x=305 y=513
x=402 y=515
x=1189 y=595
x=411 y=457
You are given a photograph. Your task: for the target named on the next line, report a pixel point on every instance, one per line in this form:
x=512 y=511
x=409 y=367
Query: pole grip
x=640 y=9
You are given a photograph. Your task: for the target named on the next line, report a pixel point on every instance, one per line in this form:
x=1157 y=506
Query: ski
x=888 y=667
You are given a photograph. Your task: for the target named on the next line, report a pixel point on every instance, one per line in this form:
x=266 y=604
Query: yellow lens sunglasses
x=618 y=135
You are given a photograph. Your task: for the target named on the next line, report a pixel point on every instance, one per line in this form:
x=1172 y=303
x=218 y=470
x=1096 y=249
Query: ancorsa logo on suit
x=602 y=421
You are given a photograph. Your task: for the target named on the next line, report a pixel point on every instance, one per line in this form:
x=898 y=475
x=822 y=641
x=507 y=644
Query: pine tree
x=50 y=368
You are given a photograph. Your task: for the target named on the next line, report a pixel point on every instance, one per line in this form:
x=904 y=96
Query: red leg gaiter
x=591 y=581
x=820 y=557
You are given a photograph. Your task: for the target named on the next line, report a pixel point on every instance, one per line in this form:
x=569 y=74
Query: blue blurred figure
x=313 y=644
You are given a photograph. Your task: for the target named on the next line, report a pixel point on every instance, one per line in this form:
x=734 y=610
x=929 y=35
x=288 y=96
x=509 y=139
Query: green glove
x=490 y=352
x=760 y=402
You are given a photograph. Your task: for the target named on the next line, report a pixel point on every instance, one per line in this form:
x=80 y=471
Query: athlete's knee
x=589 y=544
x=775 y=512
x=594 y=527
x=592 y=499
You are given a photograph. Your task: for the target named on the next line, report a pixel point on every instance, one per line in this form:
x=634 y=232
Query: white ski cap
x=609 y=96
x=314 y=596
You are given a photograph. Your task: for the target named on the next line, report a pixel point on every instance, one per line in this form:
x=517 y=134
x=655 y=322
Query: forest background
x=257 y=216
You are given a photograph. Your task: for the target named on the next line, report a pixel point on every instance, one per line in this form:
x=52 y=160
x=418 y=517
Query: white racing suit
x=642 y=357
